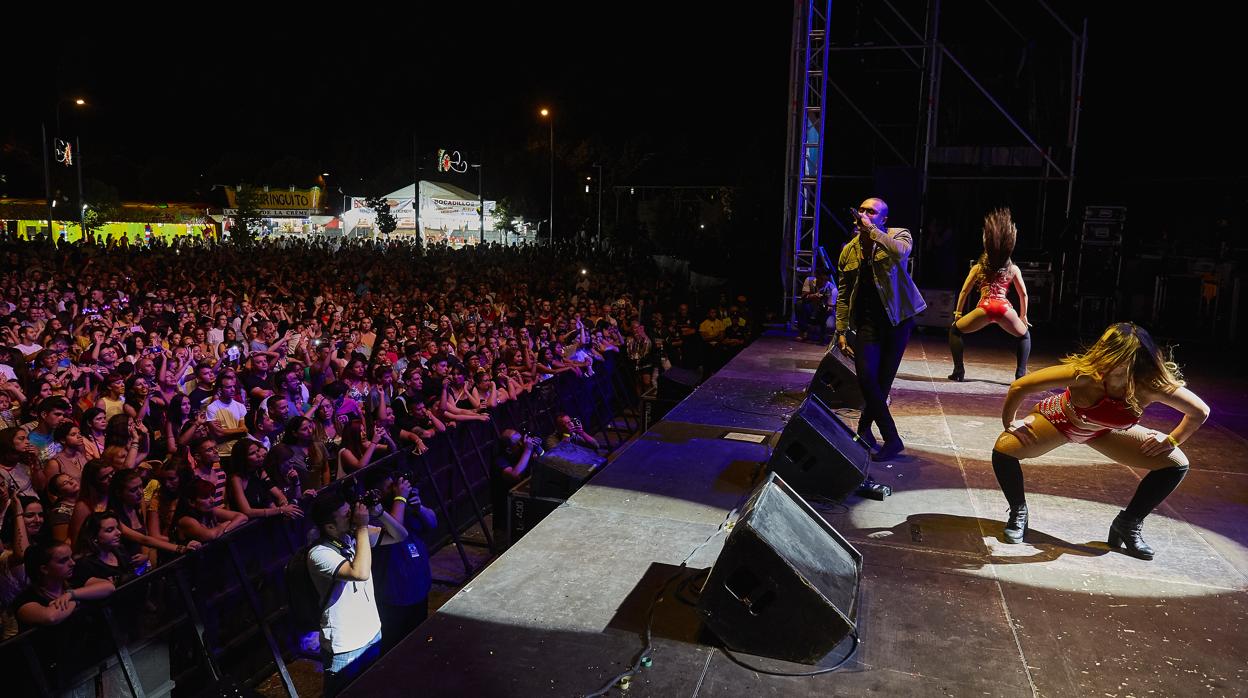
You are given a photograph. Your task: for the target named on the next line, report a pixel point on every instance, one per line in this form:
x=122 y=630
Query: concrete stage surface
x=947 y=609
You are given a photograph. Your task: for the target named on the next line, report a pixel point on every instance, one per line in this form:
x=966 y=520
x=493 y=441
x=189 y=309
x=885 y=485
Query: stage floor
x=947 y=609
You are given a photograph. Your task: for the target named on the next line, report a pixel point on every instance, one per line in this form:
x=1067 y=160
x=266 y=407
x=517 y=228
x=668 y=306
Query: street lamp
x=598 y=241
x=47 y=172
x=480 y=199
x=551 y=119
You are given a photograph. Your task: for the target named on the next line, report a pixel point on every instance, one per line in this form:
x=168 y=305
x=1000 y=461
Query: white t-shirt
x=582 y=355
x=828 y=290
x=18 y=478
x=350 y=619
x=228 y=417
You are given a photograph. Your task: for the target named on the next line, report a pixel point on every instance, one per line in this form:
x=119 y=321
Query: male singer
x=878 y=300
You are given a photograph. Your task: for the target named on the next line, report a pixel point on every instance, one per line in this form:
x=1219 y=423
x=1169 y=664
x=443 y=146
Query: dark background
x=659 y=93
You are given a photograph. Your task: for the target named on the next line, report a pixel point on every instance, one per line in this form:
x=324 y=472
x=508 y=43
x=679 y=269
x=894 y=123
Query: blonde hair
x=1147 y=364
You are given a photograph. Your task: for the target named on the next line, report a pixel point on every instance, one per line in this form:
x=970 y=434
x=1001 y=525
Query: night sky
x=685 y=93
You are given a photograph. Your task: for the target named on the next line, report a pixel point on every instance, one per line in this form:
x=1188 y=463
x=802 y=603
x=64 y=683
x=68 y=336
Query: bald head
x=873 y=207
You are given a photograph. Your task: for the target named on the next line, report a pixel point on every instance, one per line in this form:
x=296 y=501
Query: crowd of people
x=155 y=398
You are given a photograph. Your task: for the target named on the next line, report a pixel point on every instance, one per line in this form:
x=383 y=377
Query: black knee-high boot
x=1010 y=476
x=1021 y=353
x=1128 y=526
x=956 y=348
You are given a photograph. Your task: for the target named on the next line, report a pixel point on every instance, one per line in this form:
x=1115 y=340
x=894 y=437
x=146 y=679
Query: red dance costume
x=1107 y=415
x=992 y=293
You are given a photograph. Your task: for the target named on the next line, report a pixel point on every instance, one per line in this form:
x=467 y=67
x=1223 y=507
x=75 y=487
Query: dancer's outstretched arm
x=1194 y=410
x=966 y=291
x=1021 y=287
x=1035 y=382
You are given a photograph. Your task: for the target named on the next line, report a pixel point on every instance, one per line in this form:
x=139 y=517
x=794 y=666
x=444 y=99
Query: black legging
x=877 y=356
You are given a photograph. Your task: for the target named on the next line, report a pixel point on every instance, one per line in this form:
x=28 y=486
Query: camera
x=576 y=424
x=537 y=444
x=369 y=498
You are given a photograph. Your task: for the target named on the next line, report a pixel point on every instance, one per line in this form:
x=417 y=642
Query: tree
x=103 y=205
x=247 y=216
x=504 y=218
x=386 y=222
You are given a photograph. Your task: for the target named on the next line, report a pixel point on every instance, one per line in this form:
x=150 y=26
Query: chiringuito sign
x=279 y=202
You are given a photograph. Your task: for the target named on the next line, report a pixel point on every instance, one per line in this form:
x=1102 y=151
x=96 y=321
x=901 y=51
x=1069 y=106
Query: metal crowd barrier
x=218 y=615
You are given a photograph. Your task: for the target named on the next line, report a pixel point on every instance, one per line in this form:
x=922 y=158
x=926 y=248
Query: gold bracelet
x=401 y=499
x=1173 y=441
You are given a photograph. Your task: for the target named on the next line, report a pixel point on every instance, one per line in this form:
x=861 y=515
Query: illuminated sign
x=298 y=201
x=64 y=152
x=451 y=161
x=277 y=212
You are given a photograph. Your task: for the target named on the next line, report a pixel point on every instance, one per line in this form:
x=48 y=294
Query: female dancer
x=1107 y=388
x=995 y=273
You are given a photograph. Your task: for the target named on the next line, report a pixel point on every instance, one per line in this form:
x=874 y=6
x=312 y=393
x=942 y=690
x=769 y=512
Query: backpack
x=306 y=603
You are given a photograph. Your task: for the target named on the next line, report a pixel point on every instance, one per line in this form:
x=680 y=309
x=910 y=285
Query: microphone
x=853 y=220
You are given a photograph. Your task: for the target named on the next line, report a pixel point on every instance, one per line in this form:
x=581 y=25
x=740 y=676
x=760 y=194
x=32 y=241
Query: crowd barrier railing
x=219 y=615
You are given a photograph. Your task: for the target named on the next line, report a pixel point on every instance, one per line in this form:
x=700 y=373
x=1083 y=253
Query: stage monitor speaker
x=677 y=383
x=524 y=511
x=939 y=311
x=1039 y=294
x=820 y=455
x=563 y=469
x=835 y=382
x=786 y=583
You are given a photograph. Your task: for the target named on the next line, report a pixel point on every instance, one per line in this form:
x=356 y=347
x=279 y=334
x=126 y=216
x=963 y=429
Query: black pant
x=399 y=621
x=877 y=356
x=812 y=318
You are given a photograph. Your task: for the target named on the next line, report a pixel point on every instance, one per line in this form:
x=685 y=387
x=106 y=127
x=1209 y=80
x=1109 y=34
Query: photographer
x=510 y=467
x=570 y=429
x=340 y=564
x=402 y=574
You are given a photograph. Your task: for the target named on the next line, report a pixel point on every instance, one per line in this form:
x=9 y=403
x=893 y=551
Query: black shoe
x=958 y=375
x=889 y=451
x=867 y=439
x=1016 y=526
x=1020 y=373
x=1127 y=531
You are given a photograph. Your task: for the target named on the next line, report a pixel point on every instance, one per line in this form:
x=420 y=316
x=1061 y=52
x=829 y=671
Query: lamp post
x=47 y=173
x=551 y=119
x=480 y=200
x=598 y=240
x=82 y=194
x=47 y=180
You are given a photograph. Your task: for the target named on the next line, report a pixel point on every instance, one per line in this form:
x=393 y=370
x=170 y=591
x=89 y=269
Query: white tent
x=447 y=214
